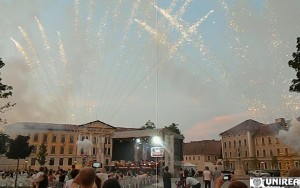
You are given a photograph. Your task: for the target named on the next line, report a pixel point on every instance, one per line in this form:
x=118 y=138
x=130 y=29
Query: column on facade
x=250 y=145
x=102 y=144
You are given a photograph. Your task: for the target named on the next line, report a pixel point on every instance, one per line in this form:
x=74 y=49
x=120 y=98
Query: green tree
x=4 y=141
x=295 y=64
x=41 y=156
x=174 y=128
x=148 y=125
x=19 y=148
x=5 y=92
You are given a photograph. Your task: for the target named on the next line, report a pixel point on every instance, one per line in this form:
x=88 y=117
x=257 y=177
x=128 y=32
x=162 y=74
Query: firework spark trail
x=76 y=17
x=182 y=9
x=22 y=51
x=172 y=6
x=121 y=57
x=191 y=30
x=47 y=47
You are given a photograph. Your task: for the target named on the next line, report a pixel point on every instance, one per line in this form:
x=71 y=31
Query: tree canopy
x=174 y=128
x=19 y=148
x=5 y=92
x=295 y=64
x=148 y=125
x=41 y=156
x=4 y=142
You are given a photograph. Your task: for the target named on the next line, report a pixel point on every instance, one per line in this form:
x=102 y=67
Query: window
x=71 y=139
x=270 y=141
x=61 y=161
x=106 y=161
x=208 y=158
x=94 y=140
x=62 y=149
x=53 y=150
x=257 y=153
x=271 y=152
x=190 y=158
x=33 y=161
x=193 y=158
x=286 y=151
x=234 y=144
x=107 y=140
x=105 y=151
x=246 y=154
x=186 y=158
x=279 y=165
x=63 y=138
x=70 y=149
x=216 y=158
x=278 y=151
x=245 y=142
x=108 y=151
x=240 y=143
x=198 y=157
x=35 y=137
x=45 y=138
x=94 y=151
x=70 y=160
x=51 y=161
x=230 y=154
x=264 y=153
x=82 y=138
x=224 y=144
x=263 y=141
x=225 y=155
x=296 y=163
x=256 y=141
x=53 y=138
x=229 y=143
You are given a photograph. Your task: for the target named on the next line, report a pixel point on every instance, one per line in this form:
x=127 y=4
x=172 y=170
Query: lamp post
x=26 y=162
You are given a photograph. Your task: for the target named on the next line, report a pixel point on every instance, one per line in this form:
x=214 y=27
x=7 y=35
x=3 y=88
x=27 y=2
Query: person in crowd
x=111 y=183
x=207 y=177
x=61 y=178
x=41 y=181
x=86 y=179
x=73 y=174
x=167 y=177
x=102 y=175
x=68 y=176
x=216 y=174
x=191 y=182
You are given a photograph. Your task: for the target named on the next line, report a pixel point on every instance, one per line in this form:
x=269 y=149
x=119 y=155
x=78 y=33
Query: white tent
x=189 y=165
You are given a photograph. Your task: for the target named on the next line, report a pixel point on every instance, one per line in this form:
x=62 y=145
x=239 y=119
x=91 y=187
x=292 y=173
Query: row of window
x=53 y=150
x=193 y=158
x=264 y=165
x=239 y=142
x=258 y=153
x=95 y=140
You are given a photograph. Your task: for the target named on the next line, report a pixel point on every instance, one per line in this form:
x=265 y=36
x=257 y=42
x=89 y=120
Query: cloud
x=213 y=127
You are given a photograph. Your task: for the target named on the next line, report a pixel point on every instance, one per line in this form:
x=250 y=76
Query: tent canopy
x=189 y=165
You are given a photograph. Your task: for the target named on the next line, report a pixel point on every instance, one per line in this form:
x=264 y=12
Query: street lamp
x=156 y=140
x=26 y=161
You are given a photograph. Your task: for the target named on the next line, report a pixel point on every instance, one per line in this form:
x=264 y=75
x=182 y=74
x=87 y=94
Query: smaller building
x=202 y=153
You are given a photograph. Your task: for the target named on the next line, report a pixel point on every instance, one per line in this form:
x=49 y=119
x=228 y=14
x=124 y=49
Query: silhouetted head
x=111 y=183
x=237 y=184
x=166 y=168
x=87 y=176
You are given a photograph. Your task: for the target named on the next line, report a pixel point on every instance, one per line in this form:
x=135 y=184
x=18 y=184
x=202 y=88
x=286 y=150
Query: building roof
x=140 y=133
x=204 y=147
x=248 y=125
x=97 y=121
x=272 y=128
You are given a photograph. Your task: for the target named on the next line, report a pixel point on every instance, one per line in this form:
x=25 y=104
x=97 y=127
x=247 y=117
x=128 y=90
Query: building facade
x=258 y=146
x=202 y=153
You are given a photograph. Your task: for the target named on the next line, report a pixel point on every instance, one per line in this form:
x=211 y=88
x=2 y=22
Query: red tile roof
x=248 y=125
x=204 y=147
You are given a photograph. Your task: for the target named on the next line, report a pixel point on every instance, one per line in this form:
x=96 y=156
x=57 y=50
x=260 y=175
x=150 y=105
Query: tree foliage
x=4 y=141
x=174 y=128
x=5 y=92
x=41 y=156
x=19 y=148
x=295 y=64
x=148 y=125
